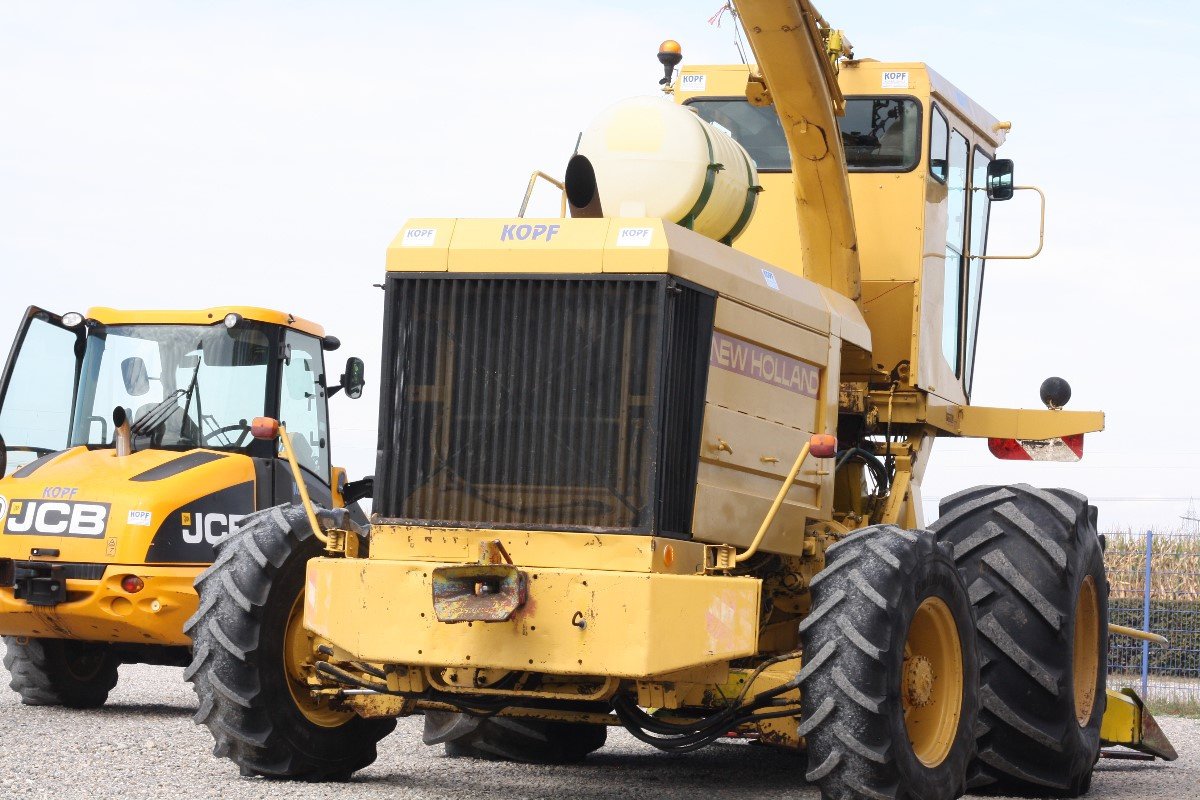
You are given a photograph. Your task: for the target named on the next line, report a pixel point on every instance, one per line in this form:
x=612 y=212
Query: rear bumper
x=100 y=610
x=573 y=622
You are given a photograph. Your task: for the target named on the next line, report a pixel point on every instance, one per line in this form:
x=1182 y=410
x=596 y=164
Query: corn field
x=1170 y=676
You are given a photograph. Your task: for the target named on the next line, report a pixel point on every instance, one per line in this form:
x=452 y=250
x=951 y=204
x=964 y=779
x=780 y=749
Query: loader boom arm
x=797 y=76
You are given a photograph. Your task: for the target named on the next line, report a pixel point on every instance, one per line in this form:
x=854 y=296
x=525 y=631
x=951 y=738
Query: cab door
x=37 y=390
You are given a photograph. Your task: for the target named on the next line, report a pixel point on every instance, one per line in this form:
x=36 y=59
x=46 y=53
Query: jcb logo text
x=57 y=518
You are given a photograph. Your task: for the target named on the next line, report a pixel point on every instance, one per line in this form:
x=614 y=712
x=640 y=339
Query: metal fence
x=1155 y=580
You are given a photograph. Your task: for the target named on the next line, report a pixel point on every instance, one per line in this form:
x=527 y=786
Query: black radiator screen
x=558 y=402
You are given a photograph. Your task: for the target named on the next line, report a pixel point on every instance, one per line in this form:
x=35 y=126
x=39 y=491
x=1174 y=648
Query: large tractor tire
x=889 y=694
x=249 y=647
x=60 y=672
x=1033 y=564
x=531 y=741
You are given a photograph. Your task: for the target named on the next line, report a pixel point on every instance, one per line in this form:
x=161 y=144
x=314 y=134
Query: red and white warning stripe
x=1067 y=448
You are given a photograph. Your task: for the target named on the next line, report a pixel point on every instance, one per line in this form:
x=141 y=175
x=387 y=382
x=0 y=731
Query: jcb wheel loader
x=127 y=458
x=658 y=464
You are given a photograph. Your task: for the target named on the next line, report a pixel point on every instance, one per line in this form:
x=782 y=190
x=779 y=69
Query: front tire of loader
x=60 y=672
x=248 y=641
x=531 y=741
x=889 y=698
x=1033 y=563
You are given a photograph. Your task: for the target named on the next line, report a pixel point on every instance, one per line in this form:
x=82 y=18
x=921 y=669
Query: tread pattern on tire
x=1023 y=551
x=530 y=741
x=847 y=638
x=228 y=632
x=36 y=677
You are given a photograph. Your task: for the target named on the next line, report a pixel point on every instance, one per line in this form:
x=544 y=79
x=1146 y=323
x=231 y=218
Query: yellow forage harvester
x=657 y=464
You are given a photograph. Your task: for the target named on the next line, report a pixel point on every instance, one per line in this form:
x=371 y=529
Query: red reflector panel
x=1068 y=448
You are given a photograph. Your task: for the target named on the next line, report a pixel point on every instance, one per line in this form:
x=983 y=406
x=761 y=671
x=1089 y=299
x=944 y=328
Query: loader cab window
x=35 y=415
x=182 y=386
x=939 y=139
x=879 y=134
x=980 y=213
x=956 y=211
x=302 y=407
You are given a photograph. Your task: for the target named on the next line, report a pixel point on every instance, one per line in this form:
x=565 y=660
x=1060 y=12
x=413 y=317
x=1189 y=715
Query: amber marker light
x=264 y=428
x=669 y=55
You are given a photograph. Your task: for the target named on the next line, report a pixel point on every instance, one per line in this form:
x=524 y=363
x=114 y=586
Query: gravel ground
x=143 y=744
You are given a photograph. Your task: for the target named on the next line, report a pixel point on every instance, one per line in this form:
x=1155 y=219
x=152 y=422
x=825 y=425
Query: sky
x=170 y=154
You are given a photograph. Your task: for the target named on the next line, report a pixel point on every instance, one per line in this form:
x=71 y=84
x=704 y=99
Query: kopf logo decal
x=57 y=518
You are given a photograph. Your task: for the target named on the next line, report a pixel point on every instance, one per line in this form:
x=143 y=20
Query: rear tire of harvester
x=1034 y=566
x=530 y=741
x=889 y=697
x=248 y=645
x=60 y=672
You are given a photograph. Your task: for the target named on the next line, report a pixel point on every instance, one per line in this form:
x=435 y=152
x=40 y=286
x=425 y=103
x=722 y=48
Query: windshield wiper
x=166 y=408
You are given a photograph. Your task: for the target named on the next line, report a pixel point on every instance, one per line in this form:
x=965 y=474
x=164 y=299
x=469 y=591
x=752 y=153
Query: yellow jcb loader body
x=106 y=522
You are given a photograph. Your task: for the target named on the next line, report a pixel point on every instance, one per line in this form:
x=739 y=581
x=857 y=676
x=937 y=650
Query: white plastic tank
x=650 y=157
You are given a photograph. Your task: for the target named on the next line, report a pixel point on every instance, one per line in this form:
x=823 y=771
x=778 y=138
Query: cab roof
x=207 y=316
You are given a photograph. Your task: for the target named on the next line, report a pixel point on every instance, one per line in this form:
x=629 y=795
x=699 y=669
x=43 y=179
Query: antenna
x=715 y=20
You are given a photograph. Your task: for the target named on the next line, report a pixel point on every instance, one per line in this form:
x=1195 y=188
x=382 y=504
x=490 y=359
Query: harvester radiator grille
x=559 y=402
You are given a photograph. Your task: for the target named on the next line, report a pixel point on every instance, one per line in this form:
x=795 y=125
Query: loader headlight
x=233 y=320
x=72 y=319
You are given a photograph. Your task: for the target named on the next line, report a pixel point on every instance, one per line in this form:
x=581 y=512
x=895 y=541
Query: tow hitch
x=37 y=583
x=490 y=591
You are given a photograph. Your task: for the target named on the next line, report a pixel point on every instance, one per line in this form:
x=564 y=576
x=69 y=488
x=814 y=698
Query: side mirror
x=1000 y=179
x=354 y=378
x=133 y=373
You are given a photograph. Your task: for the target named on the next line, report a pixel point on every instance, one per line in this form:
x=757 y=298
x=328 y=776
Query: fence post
x=1146 y=613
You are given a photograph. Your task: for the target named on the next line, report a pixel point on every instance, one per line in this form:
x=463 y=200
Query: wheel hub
x=918 y=681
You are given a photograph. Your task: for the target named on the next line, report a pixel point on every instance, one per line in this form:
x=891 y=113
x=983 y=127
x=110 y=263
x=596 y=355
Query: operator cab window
x=181 y=386
x=879 y=134
x=956 y=215
x=980 y=213
x=36 y=414
x=302 y=403
x=939 y=140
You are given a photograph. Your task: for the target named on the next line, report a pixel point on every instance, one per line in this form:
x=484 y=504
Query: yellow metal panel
x=619 y=552
x=636 y=245
x=772 y=234
x=803 y=88
x=206 y=316
x=635 y=625
x=731 y=505
x=711 y=80
x=770 y=331
x=1023 y=423
x=102 y=476
x=749 y=280
x=529 y=246
x=421 y=246
x=888 y=307
x=739 y=441
x=1122 y=723
x=101 y=611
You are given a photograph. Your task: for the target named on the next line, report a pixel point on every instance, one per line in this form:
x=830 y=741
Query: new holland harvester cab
x=127 y=458
x=658 y=464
